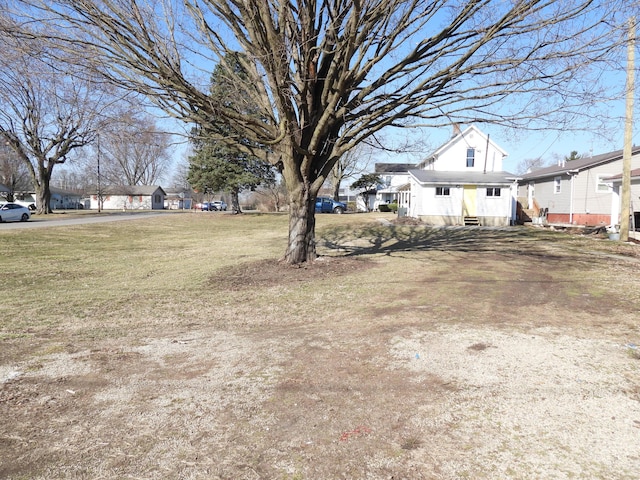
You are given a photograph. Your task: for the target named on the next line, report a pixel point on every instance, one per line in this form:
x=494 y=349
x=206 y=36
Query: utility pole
x=99 y=186
x=628 y=136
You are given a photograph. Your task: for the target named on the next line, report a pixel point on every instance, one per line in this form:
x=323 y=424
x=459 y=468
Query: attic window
x=471 y=155
x=442 y=191
x=493 y=192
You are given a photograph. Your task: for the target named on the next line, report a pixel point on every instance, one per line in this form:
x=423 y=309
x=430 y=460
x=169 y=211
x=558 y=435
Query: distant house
x=60 y=199
x=345 y=194
x=130 y=197
x=64 y=200
x=178 y=199
x=462 y=183
x=395 y=181
x=577 y=192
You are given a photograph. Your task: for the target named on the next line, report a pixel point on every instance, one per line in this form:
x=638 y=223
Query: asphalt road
x=38 y=222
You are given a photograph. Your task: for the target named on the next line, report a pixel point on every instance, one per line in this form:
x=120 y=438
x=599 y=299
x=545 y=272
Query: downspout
x=572 y=174
x=510 y=210
x=486 y=154
x=513 y=201
x=571 y=201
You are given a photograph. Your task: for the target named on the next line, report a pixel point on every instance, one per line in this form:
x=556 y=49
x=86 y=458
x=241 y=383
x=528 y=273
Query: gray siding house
x=63 y=199
x=634 y=220
x=578 y=192
x=60 y=199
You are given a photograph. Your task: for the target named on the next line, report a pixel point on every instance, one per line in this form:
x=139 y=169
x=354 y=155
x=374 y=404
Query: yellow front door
x=469 y=202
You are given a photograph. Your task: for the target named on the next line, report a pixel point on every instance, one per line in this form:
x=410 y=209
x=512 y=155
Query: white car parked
x=219 y=205
x=12 y=212
x=25 y=203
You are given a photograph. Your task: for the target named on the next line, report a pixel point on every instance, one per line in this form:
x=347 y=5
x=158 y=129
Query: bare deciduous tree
x=180 y=177
x=328 y=74
x=46 y=112
x=13 y=173
x=527 y=165
x=72 y=179
x=133 y=151
x=272 y=195
x=352 y=163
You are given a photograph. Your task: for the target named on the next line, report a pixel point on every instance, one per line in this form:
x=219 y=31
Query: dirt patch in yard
x=504 y=359
x=267 y=273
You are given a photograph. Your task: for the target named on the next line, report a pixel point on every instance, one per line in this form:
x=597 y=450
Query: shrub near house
x=388 y=207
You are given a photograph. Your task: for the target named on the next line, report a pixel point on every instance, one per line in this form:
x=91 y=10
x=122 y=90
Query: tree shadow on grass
x=390 y=239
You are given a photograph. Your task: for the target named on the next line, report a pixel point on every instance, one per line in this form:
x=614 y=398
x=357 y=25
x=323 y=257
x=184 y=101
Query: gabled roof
x=618 y=178
x=462 y=178
x=460 y=136
x=394 y=167
x=144 y=190
x=577 y=165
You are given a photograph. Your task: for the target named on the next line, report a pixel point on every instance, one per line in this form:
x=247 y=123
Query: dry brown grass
x=178 y=347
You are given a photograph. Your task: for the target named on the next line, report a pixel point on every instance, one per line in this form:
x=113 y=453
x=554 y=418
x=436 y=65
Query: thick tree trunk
x=302 y=226
x=43 y=198
x=303 y=178
x=42 y=182
x=235 y=201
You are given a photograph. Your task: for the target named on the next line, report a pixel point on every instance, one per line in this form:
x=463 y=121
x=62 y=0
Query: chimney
x=456 y=130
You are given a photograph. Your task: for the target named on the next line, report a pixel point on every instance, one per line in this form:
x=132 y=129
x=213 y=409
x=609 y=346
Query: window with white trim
x=471 y=157
x=442 y=191
x=557 y=184
x=493 y=191
x=603 y=186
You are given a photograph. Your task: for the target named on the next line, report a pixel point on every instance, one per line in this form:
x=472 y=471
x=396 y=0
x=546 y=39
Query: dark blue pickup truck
x=328 y=205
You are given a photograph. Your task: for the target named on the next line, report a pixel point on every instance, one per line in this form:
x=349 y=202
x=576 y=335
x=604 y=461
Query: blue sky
x=599 y=127
x=523 y=144
x=548 y=145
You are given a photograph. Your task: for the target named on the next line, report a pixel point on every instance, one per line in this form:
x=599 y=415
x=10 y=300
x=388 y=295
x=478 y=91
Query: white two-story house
x=462 y=183
x=394 y=178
